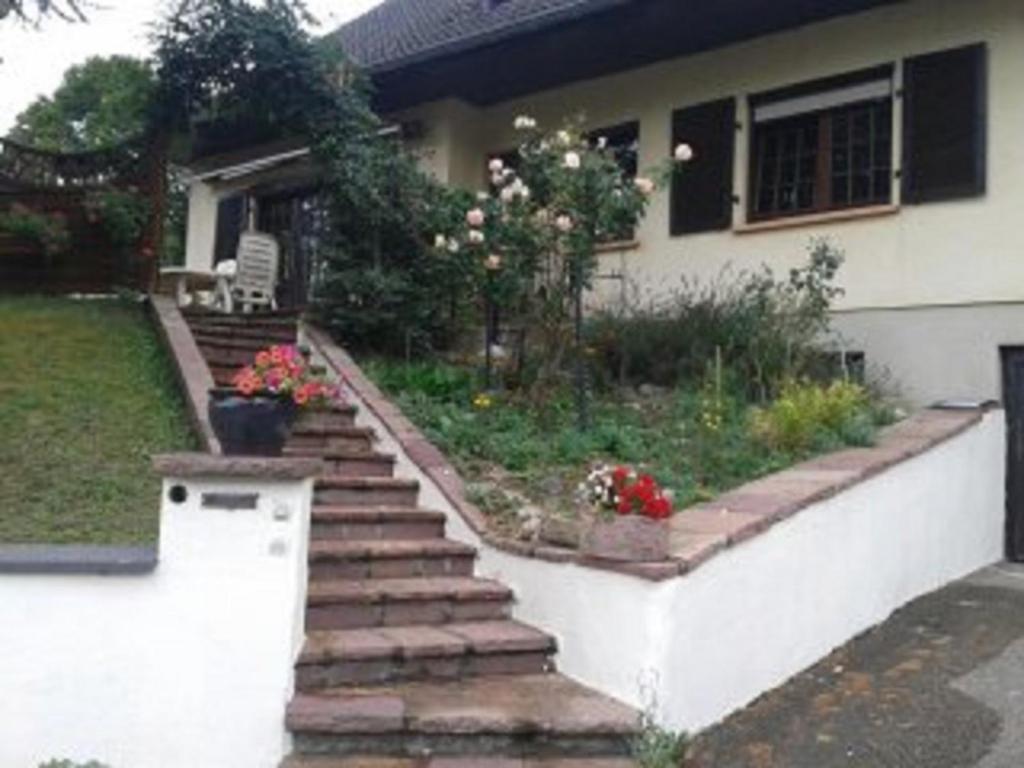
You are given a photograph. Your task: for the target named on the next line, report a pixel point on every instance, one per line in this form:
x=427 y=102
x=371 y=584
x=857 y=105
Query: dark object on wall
x=251 y=426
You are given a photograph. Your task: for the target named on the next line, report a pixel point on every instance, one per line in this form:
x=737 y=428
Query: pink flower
x=493 y=262
x=496 y=165
x=476 y=217
x=564 y=223
x=646 y=186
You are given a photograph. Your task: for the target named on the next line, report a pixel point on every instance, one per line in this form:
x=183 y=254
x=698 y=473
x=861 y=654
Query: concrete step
x=366 y=491
x=397 y=602
x=338 y=416
x=527 y=716
x=382 y=655
x=369 y=559
x=376 y=523
x=321 y=438
x=350 y=463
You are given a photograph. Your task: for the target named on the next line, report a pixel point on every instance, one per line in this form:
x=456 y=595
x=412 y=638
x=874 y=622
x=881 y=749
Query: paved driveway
x=939 y=685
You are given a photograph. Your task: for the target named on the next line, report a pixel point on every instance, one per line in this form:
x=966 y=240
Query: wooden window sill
x=618 y=246
x=792 y=222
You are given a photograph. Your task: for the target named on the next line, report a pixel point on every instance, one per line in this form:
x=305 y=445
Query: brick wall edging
x=699 y=532
x=193 y=373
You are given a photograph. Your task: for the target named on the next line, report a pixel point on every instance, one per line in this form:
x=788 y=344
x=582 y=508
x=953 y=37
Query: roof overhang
x=581 y=45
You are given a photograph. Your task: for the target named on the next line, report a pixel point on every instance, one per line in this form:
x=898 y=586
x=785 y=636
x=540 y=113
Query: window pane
x=785 y=165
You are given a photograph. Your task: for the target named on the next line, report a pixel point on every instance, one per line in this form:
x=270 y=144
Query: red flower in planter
x=281 y=370
x=622 y=491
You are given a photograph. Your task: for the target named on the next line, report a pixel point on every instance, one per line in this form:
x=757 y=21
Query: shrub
x=123 y=215
x=48 y=230
x=809 y=416
x=764 y=329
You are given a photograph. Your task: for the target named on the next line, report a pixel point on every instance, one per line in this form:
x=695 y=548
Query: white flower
x=440 y=241
x=476 y=217
x=496 y=165
x=684 y=153
x=543 y=216
x=493 y=262
x=564 y=137
x=476 y=237
x=508 y=194
x=602 y=142
x=497 y=179
x=572 y=160
x=645 y=185
x=453 y=246
x=564 y=223
x=525 y=123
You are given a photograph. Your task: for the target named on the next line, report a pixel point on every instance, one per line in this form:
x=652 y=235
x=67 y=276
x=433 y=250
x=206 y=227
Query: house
x=892 y=128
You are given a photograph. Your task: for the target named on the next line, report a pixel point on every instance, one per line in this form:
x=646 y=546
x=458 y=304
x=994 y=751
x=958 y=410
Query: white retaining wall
x=711 y=641
x=187 y=667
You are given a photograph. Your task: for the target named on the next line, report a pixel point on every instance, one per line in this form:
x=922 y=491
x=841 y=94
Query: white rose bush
x=531 y=241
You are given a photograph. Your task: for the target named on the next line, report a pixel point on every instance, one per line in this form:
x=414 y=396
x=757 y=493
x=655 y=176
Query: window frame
x=823 y=205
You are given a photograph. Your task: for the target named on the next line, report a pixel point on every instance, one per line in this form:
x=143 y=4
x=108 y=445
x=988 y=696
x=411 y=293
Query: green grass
x=86 y=397
x=694 y=442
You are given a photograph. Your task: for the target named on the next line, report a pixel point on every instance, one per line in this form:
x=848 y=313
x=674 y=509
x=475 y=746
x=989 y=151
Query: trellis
x=60 y=183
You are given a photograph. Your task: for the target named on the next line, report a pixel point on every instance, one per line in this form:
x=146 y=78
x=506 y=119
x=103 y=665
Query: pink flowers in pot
x=282 y=371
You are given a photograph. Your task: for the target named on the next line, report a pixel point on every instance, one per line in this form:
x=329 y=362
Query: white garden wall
x=710 y=641
x=189 y=666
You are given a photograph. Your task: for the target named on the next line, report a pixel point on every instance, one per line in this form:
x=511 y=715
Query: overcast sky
x=33 y=61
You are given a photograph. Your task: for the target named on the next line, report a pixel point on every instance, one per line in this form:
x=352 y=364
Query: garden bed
x=86 y=397
x=523 y=462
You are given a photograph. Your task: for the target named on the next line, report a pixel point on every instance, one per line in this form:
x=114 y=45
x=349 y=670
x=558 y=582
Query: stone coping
x=189 y=364
x=76 y=560
x=698 y=533
x=205 y=465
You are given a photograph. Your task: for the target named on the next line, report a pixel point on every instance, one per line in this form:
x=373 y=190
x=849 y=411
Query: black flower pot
x=251 y=426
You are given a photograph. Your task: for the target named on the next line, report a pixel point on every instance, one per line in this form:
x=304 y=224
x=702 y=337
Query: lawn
x=523 y=461
x=86 y=396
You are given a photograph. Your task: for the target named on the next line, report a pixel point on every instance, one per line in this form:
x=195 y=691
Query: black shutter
x=944 y=125
x=230 y=215
x=702 y=189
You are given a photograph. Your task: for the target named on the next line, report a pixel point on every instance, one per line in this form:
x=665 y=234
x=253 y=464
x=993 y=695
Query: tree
x=69 y=10
x=100 y=103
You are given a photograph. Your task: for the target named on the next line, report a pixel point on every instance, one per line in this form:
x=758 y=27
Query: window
x=624 y=143
x=816 y=149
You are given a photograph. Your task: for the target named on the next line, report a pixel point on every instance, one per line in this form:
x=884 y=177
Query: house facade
x=890 y=128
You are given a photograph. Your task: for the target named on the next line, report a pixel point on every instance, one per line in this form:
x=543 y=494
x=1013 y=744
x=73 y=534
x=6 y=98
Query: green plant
x=48 y=230
x=809 y=416
x=656 y=746
x=765 y=329
x=122 y=214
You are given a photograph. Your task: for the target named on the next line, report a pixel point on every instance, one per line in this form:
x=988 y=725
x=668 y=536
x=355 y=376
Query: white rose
x=564 y=223
x=482 y=197
x=497 y=179
x=440 y=241
x=565 y=138
x=646 y=186
x=453 y=246
x=525 y=123
x=496 y=165
x=602 y=142
x=493 y=262
x=508 y=194
x=684 y=153
x=476 y=236
x=476 y=217
x=572 y=161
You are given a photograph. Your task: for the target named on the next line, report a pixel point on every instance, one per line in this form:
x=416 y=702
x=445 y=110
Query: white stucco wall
x=201 y=234
x=189 y=667
x=712 y=641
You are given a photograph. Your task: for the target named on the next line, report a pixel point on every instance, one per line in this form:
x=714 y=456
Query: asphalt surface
x=939 y=685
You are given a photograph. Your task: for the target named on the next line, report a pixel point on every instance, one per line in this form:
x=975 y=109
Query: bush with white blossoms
x=531 y=240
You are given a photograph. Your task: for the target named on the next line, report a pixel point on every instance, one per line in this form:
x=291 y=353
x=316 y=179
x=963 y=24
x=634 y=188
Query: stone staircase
x=410 y=660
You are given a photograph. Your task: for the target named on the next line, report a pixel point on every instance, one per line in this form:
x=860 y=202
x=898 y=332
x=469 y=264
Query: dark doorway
x=297 y=220
x=1013 y=400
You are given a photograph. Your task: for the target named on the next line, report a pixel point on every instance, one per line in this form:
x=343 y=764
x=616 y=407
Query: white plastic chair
x=254 y=283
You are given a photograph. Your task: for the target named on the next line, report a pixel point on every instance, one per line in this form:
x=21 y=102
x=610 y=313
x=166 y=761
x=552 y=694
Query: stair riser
x=397 y=614
x=343 y=444
x=366 y=497
x=332 y=420
x=360 y=467
x=311 y=677
x=469 y=744
x=377 y=531
x=398 y=568
x=265 y=335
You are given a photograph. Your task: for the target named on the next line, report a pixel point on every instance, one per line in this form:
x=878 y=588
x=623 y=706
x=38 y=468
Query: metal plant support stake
x=580 y=372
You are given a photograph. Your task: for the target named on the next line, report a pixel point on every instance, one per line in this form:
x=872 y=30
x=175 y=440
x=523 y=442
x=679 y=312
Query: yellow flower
x=483 y=401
